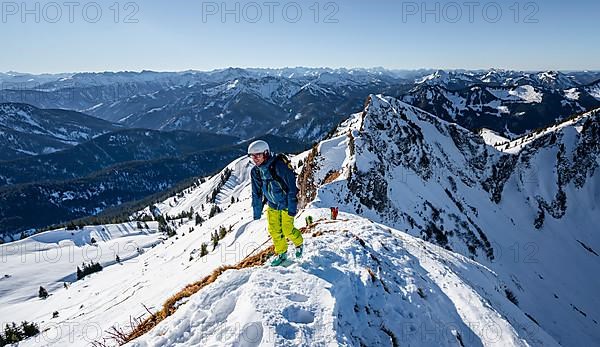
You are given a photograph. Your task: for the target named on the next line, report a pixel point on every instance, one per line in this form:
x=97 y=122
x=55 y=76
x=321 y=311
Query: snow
x=491 y=137
x=315 y=89
x=503 y=109
x=329 y=298
x=572 y=94
x=439 y=76
x=49 y=259
x=155 y=109
x=539 y=266
x=595 y=91
x=112 y=296
x=94 y=107
x=555 y=79
x=457 y=100
x=26 y=117
x=518 y=143
x=24 y=151
x=526 y=94
x=233 y=84
x=272 y=90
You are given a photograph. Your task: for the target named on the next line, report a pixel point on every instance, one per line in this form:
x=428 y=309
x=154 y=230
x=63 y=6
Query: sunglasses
x=254 y=155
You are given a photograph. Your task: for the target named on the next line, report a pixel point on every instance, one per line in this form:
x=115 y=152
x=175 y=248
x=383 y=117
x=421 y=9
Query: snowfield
x=347 y=292
x=492 y=138
x=525 y=93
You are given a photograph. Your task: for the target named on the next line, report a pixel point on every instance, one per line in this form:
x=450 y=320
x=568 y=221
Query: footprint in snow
x=252 y=334
x=298 y=315
x=297 y=297
x=286 y=330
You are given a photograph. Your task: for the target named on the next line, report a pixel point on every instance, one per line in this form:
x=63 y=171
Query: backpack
x=273 y=172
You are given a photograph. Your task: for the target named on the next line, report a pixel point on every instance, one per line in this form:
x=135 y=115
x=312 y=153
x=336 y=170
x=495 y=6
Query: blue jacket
x=265 y=186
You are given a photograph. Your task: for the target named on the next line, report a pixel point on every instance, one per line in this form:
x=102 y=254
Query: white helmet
x=259 y=146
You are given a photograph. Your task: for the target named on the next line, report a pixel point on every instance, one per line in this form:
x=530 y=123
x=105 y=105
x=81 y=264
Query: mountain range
x=155 y=119
x=306 y=103
x=27 y=131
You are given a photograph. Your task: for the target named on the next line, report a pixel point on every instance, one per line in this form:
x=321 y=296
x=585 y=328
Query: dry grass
x=331 y=176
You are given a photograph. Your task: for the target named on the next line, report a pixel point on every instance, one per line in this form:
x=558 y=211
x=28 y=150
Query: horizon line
x=295 y=67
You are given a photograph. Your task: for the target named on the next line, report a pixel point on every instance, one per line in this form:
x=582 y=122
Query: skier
x=274 y=181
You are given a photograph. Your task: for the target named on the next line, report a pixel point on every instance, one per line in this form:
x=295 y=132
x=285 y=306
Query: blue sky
x=180 y=35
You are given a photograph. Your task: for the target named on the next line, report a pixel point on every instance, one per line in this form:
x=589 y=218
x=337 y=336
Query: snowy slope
x=90 y=307
x=461 y=78
x=50 y=259
x=504 y=101
x=359 y=283
x=492 y=138
x=525 y=94
x=527 y=215
x=114 y=296
x=574 y=123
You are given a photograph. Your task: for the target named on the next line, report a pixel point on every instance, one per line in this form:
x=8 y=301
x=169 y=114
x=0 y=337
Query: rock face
x=514 y=207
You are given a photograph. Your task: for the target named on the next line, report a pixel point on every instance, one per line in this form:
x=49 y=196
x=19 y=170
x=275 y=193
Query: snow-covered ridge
x=152 y=267
x=359 y=283
x=574 y=122
x=250 y=102
x=508 y=78
x=406 y=169
x=492 y=138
